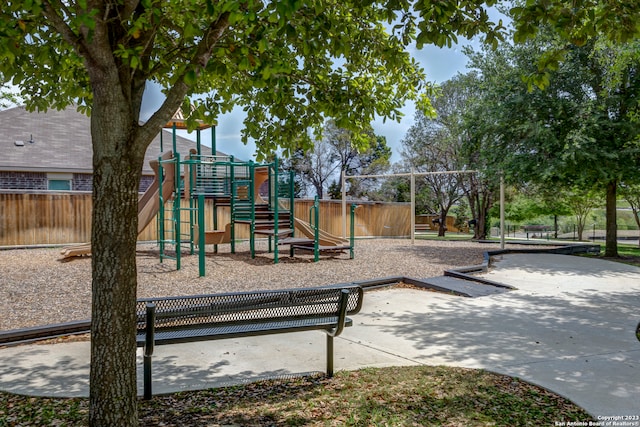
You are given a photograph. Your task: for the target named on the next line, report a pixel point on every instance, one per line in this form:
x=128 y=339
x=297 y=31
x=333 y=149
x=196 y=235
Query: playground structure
x=258 y=196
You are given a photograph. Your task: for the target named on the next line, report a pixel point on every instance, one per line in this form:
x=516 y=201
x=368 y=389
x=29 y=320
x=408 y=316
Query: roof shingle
x=60 y=141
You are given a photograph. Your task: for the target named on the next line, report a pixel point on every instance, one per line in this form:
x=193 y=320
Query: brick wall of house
x=145 y=183
x=82 y=182
x=37 y=181
x=23 y=181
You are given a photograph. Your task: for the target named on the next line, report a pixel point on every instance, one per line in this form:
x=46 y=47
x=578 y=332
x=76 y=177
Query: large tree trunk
x=117 y=166
x=480 y=202
x=611 y=247
x=581 y=224
x=481 y=230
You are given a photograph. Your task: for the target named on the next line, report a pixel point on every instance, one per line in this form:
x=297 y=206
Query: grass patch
x=627 y=254
x=398 y=396
x=627 y=250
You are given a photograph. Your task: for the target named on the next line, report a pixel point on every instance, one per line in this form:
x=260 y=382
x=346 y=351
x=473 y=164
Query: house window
x=59 y=181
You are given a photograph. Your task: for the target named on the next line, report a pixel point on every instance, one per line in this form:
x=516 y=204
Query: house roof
x=60 y=141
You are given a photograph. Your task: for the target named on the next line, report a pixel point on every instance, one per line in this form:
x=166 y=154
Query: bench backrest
x=248 y=307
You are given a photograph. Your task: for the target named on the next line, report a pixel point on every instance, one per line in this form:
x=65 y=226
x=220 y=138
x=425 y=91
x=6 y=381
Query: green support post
x=314 y=217
x=292 y=220
x=201 y=236
x=190 y=177
x=275 y=211
x=232 y=205
x=198 y=143
x=175 y=145
x=215 y=221
x=215 y=206
x=176 y=206
x=214 y=149
x=252 y=202
x=292 y=198
x=352 y=227
x=161 y=212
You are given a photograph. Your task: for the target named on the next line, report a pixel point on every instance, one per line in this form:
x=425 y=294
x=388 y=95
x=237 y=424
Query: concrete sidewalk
x=570 y=327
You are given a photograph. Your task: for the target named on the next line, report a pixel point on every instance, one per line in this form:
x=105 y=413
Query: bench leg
x=329 y=356
x=147 y=377
x=149 y=341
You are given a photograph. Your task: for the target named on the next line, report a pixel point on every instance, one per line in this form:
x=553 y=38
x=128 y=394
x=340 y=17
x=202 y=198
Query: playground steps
x=305 y=244
x=272 y=231
x=322 y=248
x=296 y=241
x=264 y=220
x=222 y=200
x=261 y=224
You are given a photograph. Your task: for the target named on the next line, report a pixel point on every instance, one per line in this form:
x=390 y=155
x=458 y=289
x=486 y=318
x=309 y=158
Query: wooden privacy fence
x=63 y=218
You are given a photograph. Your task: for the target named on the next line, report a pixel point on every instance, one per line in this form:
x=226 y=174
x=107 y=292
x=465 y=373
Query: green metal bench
x=173 y=320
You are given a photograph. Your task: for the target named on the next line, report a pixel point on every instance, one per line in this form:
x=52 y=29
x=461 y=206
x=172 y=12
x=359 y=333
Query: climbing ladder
x=264 y=217
x=175 y=217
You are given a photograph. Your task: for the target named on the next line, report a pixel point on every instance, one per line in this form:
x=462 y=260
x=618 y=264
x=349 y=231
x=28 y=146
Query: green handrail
x=352 y=234
x=314 y=218
x=176 y=208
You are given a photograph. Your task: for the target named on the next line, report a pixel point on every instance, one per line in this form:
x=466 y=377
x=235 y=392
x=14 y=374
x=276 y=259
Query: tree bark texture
x=480 y=202
x=611 y=246
x=117 y=164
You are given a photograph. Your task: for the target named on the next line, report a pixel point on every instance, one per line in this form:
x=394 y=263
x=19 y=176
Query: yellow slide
x=326 y=239
x=148 y=204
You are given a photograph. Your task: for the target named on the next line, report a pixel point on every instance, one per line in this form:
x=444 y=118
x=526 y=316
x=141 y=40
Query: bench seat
x=173 y=320
x=241 y=330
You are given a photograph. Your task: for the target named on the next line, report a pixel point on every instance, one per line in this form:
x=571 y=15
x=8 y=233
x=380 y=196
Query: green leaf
x=190 y=77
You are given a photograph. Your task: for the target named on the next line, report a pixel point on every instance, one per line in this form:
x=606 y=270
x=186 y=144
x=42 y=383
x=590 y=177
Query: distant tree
x=631 y=194
x=336 y=153
x=580 y=130
x=477 y=150
x=335 y=191
x=318 y=166
x=435 y=144
x=293 y=164
x=373 y=161
x=393 y=188
x=461 y=213
x=582 y=201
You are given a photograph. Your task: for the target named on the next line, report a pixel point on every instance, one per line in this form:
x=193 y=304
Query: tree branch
x=175 y=95
x=56 y=21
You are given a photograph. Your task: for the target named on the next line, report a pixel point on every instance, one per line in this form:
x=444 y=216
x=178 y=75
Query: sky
x=440 y=64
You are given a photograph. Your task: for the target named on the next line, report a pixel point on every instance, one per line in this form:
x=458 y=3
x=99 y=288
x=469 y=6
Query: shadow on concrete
x=580 y=344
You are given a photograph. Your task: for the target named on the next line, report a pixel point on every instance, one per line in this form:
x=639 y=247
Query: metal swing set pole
x=412 y=176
